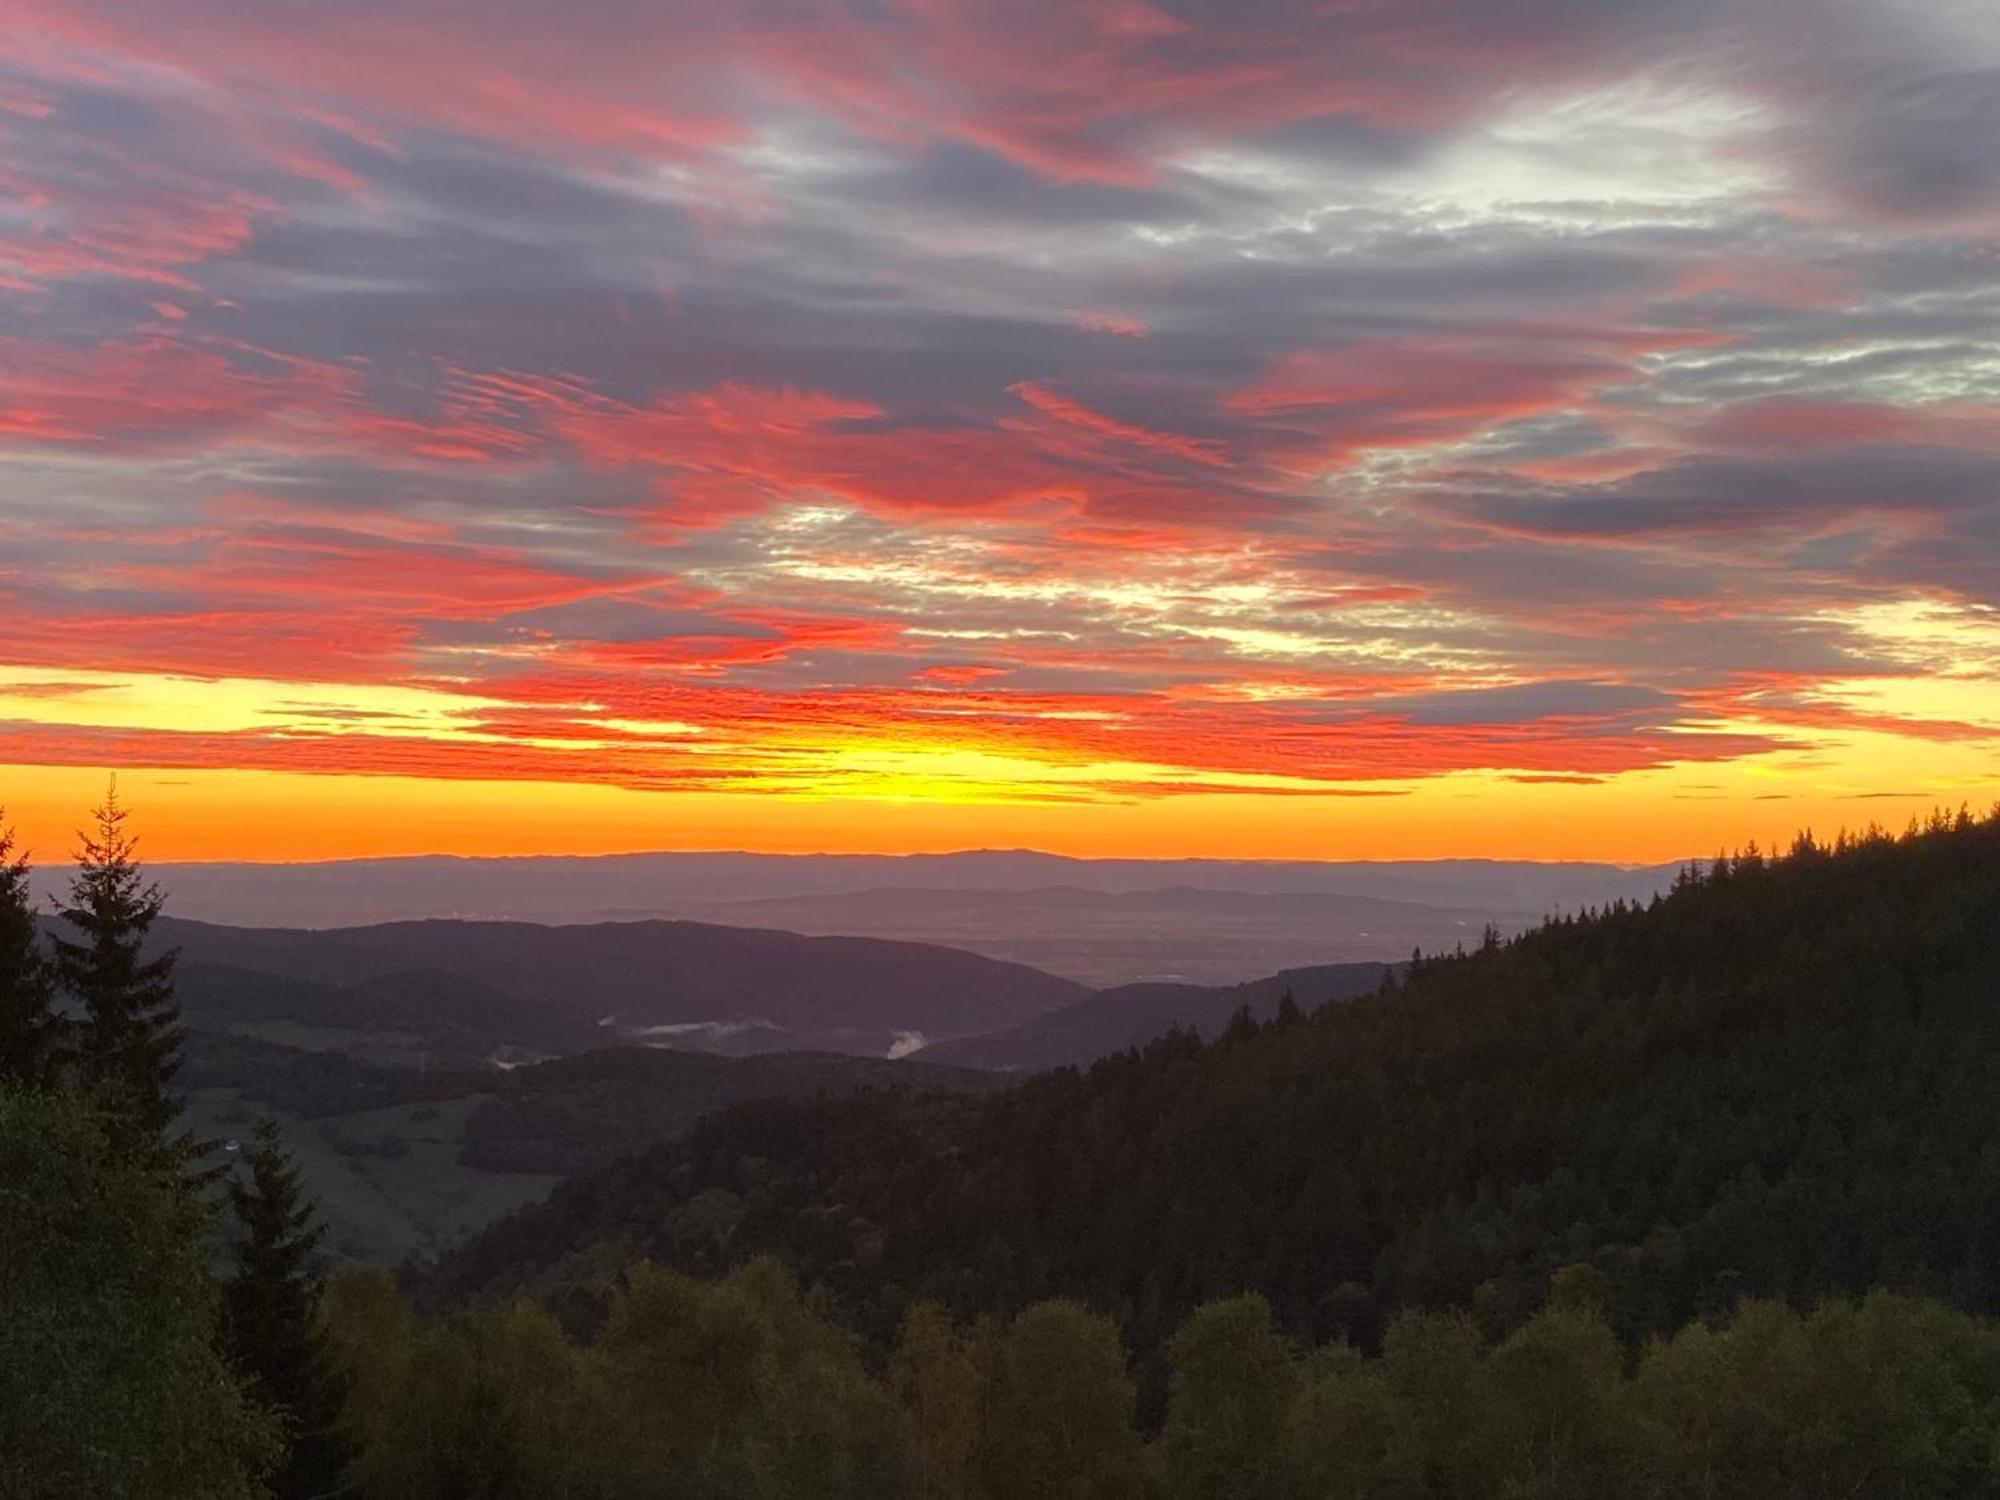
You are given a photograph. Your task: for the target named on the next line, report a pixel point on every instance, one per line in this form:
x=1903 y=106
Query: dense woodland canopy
x=742 y=1387
x=112 y=1376
x=1695 y=1199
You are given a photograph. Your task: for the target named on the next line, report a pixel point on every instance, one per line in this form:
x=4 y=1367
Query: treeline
x=743 y=1389
x=92 y=1010
x=582 y=1113
x=1776 y=1081
x=127 y=1367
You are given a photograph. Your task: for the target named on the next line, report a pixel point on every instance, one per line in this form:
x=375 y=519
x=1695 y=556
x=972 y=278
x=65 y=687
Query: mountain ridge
x=467 y=885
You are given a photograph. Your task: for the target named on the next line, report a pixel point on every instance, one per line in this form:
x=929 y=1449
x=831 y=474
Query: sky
x=1359 y=428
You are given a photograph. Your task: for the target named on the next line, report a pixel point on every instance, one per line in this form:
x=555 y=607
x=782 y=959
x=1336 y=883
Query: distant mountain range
x=554 y=887
x=1100 y=922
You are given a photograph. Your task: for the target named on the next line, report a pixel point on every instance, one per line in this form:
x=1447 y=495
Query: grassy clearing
x=388 y=1181
x=423 y=1174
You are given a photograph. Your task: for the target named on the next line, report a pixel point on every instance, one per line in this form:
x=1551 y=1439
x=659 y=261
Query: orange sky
x=1640 y=818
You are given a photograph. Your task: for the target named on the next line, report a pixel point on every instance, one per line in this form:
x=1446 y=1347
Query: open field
x=388 y=1181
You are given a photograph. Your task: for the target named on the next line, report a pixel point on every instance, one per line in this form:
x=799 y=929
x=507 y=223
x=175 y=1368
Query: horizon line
x=971 y=852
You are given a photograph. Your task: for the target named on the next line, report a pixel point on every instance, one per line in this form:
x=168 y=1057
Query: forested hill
x=1133 y=1014
x=1779 y=1079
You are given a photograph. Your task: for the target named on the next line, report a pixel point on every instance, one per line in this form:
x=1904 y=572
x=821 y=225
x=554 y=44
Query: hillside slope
x=1779 y=1079
x=1133 y=1014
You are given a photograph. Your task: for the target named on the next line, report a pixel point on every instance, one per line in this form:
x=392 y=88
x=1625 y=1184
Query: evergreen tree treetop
x=280 y=1231
x=129 y=1037
x=272 y=1313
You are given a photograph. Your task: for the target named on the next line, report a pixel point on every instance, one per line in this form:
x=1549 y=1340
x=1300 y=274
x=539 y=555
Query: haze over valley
x=1099 y=922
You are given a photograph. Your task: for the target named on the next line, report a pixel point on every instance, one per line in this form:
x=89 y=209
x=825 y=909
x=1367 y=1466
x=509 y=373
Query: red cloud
x=138 y=220
x=452 y=583
x=737 y=449
x=1105 y=91
x=154 y=391
x=1173 y=444
x=247 y=509
x=797 y=743
x=264 y=589
x=647 y=81
x=1797 y=700
x=958 y=676
x=1421 y=391
x=1100 y=91
x=169 y=391
x=232 y=640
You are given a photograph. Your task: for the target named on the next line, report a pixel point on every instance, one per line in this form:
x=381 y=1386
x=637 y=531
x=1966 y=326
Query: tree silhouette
x=129 y=1038
x=271 y=1312
x=30 y=1029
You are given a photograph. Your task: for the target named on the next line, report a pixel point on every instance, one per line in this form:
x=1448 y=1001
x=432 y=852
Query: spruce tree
x=30 y=1029
x=271 y=1310
x=128 y=1039
x=111 y=1383
x=1242 y=1028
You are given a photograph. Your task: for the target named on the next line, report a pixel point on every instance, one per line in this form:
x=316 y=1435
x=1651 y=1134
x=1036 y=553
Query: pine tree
x=1242 y=1027
x=129 y=1038
x=30 y=1029
x=111 y=1383
x=271 y=1311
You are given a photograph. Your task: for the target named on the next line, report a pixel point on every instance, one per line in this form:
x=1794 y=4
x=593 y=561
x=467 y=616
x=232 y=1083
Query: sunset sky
x=1539 y=428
